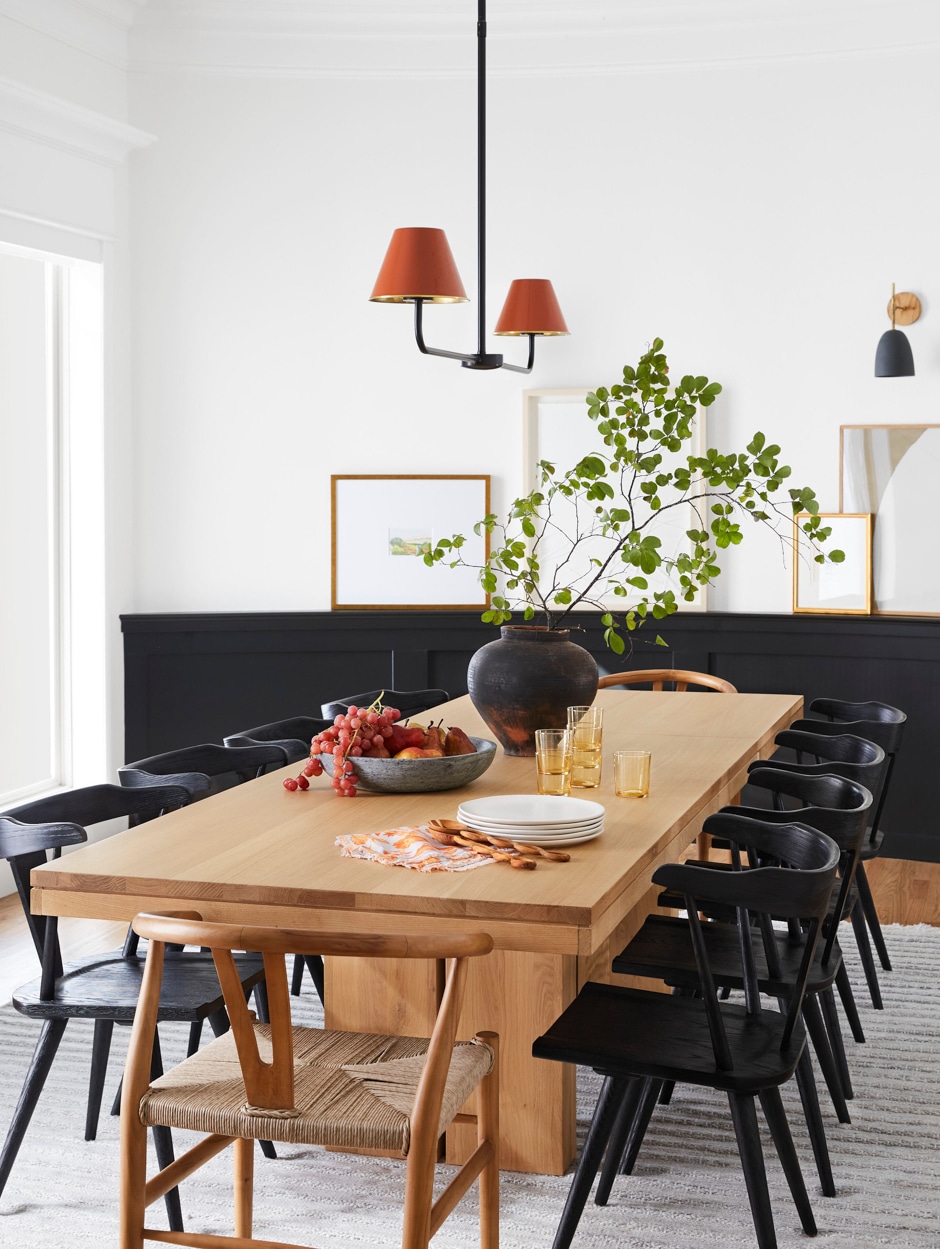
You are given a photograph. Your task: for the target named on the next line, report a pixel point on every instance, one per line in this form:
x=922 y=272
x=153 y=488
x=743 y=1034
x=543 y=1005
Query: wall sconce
x=894 y=357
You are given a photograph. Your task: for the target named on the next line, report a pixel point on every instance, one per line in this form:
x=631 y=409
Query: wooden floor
x=906 y=892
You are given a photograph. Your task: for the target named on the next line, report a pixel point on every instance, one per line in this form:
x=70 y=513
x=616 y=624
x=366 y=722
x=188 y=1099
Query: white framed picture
x=834 y=589
x=383 y=526
x=556 y=427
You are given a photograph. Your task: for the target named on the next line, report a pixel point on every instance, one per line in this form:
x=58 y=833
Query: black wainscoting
x=196 y=677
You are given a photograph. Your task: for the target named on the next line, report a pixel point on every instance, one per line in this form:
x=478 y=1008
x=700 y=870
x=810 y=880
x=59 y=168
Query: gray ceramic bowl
x=417 y=776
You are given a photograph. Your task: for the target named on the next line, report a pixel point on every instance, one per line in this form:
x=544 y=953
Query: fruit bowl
x=417 y=776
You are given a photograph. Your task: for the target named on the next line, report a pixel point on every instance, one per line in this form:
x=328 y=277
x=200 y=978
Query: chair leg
x=163 y=1144
x=261 y=1002
x=747 y=1134
x=488 y=1130
x=817 y=1031
x=619 y=1132
x=806 y=1083
x=871 y=914
x=611 y=1096
x=244 y=1185
x=641 y=1122
x=868 y=961
x=665 y=1093
x=195 y=1036
x=100 y=1048
x=218 y=1022
x=44 y=1053
x=834 y=1031
x=297 y=975
x=844 y=985
x=315 y=966
x=783 y=1142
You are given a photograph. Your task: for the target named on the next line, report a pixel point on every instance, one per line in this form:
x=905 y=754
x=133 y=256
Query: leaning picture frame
x=555 y=427
x=383 y=525
x=843 y=589
x=891 y=471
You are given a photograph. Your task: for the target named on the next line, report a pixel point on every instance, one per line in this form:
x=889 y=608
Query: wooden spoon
x=502 y=843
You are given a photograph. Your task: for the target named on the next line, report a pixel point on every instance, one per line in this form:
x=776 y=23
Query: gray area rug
x=687 y=1193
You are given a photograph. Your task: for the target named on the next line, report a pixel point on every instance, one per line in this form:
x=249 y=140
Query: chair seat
x=663 y=947
x=351 y=1090
x=634 y=1032
x=107 y=987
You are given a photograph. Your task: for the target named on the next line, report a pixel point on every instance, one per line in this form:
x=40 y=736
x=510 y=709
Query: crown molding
x=58 y=123
x=98 y=28
x=528 y=38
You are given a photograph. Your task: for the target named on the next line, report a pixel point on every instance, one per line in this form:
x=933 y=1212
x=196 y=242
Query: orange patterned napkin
x=410 y=846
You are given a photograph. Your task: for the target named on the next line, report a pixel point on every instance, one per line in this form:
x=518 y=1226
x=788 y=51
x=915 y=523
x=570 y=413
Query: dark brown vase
x=527 y=680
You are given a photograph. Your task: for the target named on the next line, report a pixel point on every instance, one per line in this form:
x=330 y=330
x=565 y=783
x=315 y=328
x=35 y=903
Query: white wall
x=753 y=214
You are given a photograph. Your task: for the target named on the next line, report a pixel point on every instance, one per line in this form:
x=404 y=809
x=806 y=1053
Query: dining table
x=260 y=854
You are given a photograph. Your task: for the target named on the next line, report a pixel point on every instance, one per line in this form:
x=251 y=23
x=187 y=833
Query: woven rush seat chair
x=634 y=1038
x=309 y=1085
x=674 y=676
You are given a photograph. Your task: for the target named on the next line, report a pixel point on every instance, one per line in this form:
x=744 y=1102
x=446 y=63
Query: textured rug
x=687 y=1193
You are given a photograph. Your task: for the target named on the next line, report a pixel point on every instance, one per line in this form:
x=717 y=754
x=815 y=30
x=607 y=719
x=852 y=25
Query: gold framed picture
x=382 y=527
x=834 y=589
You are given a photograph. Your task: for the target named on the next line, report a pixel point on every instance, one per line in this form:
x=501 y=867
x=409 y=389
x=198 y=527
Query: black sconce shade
x=894 y=357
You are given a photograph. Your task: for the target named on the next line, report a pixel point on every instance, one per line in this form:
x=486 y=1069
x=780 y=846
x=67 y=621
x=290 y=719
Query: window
x=52 y=590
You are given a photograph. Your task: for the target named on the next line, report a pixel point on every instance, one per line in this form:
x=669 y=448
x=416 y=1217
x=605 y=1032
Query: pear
x=458 y=743
x=436 y=739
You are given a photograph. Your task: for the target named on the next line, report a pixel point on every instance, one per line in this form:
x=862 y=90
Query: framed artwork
x=891 y=471
x=834 y=589
x=382 y=526
x=555 y=427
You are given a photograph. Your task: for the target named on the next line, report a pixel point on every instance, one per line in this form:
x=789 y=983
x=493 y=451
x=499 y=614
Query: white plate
x=555 y=825
x=547 y=830
x=536 y=839
x=531 y=809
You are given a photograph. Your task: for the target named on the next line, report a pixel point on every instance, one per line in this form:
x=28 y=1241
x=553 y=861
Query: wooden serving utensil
x=449 y=827
x=482 y=847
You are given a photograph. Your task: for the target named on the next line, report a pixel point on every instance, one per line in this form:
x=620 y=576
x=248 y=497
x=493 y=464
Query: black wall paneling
x=191 y=678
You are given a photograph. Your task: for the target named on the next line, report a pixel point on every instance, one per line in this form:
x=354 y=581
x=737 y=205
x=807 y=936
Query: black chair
x=856 y=759
x=632 y=1037
x=408 y=702
x=102 y=987
x=293 y=736
x=195 y=768
x=884 y=725
x=661 y=949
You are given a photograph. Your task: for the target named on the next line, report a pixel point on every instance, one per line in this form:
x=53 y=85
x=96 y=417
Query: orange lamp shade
x=531 y=308
x=419 y=265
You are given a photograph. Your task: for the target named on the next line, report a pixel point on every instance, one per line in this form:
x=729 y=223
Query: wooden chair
x=380 y=1092
x=103 y=987
x=662 y=949
x=632 y=1037
x=408 y=702
x=856 y=759
x=677 y=676
x=883 y=724
x=293 y=736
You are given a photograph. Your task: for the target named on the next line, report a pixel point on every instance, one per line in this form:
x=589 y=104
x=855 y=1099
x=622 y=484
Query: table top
x=266 y=855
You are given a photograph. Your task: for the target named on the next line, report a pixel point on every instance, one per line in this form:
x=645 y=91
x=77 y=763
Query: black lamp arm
x=527 y=367
x=475 y=360
x=433 y=351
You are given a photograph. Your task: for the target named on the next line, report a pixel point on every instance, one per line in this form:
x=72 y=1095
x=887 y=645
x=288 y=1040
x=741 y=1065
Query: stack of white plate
x=538 y=819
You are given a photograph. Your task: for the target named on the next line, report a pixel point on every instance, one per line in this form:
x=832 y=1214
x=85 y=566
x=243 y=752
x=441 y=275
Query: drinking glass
x=586 y=725
x=631 y=773
x=553 y=760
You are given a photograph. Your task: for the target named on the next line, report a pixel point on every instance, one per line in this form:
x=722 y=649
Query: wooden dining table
x=259 y=854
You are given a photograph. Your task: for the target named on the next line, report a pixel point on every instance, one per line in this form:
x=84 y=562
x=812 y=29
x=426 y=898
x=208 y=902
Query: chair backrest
x=408 y=702
x=835 y=806
x=29 y=832
x=293 y=735
x=192 y=766
x=835 y=709
x=677 y=676
x=798 y=886
x=271 y=1085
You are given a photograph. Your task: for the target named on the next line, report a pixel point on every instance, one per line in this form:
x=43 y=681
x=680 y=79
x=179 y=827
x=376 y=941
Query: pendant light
x=894 y=357
x=419 y=268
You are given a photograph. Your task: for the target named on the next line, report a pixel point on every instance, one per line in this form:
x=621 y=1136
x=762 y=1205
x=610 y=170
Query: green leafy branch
x=612 y=503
